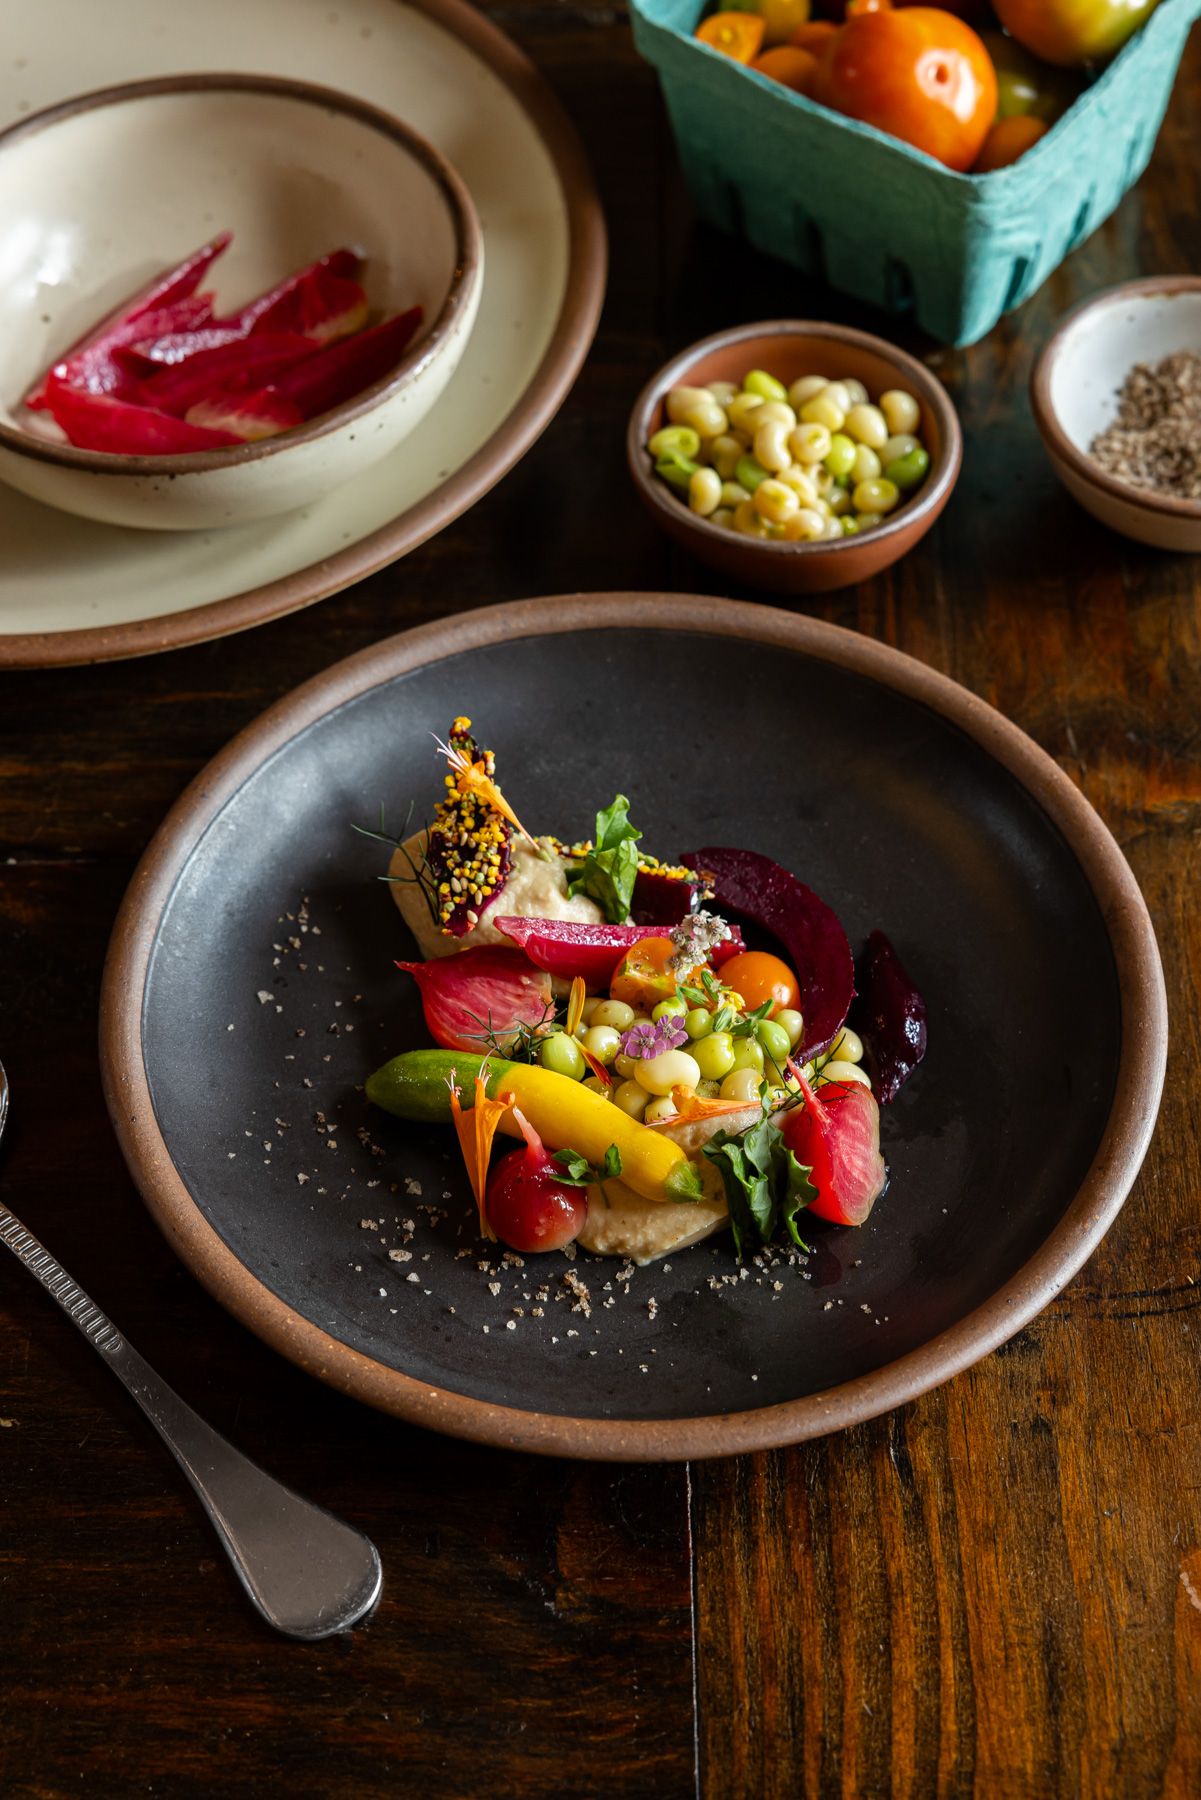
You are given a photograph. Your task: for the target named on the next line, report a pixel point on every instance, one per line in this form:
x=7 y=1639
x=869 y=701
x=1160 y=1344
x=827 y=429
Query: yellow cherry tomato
x=780 y=17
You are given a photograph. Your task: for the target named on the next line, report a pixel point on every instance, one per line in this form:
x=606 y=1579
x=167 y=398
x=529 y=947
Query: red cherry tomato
x=528 y=1209
x=920 y=74
x=758 y=976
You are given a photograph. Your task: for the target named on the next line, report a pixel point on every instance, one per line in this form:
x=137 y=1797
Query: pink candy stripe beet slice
x=477 y=992
x=815 y=942
x=565 y=948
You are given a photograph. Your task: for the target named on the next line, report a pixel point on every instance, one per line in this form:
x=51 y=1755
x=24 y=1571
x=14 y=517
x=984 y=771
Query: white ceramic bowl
x=100 y=193
x=1074 y=395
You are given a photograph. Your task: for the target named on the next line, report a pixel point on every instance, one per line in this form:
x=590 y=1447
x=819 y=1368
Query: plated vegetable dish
x=673 y=1042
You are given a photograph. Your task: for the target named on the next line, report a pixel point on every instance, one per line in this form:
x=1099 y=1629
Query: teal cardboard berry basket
x=882 y=221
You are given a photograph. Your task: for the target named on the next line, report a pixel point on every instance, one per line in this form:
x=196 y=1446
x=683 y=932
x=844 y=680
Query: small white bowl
x=1074 y=395
x=102 y=192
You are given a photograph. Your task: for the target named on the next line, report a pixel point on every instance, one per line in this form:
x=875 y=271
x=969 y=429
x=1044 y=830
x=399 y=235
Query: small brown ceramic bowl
x=1074 y=396
x=789 y=349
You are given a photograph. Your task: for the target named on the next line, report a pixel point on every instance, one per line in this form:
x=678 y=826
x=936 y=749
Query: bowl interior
x=1097 y=352
x=790 y=355
x=94 y=204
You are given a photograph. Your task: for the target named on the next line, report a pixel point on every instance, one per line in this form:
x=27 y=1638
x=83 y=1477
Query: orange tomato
x=736 y=34
x=1007 y=140
x=642 y=977
x=759 y=976
x=791 y=67
x=920 y=74
x=815 y=36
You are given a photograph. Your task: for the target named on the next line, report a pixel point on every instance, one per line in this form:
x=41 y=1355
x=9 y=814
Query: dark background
x=995 y=1590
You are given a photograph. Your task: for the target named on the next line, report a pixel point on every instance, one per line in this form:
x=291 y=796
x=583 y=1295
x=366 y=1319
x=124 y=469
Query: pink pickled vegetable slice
x=249 y=364
x=316 y=304
x=816 y=943
x=275 y=309
x=890 y=1017
x=340 y=370
x=177 y=284
x=321 y=306
x=475 y=993
x=99 y=422
x=249 y=417
x=566 y=948
x=101 y=367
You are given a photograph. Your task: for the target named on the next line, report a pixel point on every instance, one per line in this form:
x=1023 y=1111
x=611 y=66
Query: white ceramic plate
x=71 y=591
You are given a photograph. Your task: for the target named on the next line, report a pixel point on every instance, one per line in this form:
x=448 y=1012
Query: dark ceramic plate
x=250 y=990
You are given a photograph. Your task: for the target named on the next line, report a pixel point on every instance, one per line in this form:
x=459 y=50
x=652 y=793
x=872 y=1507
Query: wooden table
x=996 y=1590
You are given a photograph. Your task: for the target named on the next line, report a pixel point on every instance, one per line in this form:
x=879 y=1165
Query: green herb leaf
x=794 y=1189
x=765 y=1184
x=607 y=873
x=613 y=825
x=577 y=1171
x=612 y=1164
x=723 y=1018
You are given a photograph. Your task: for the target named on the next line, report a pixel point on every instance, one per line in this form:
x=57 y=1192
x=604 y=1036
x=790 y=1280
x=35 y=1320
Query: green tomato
x=671 y=1008
x=699 y=1022
x=562 y=1056
x=631 y=1098
x=748 y=1054
x=714 y=1055
x=793 y=1024
x=775 y=1040
x=602 y=1042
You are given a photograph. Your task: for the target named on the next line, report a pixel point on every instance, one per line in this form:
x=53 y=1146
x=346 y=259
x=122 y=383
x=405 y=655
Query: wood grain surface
x=995 y=1591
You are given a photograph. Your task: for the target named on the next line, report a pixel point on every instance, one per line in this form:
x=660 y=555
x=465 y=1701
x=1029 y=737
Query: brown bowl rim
x=1058 y=443
x=930 y=498
x=465 y=276
x=1119 y=1155
x=531 y=412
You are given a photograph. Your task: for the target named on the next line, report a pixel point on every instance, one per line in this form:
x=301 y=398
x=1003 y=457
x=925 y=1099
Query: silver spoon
x=306 y=1572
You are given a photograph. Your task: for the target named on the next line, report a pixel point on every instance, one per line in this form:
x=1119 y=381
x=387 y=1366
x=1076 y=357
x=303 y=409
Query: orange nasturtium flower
x=473 y=778
x=575 y=1012
x=475 y=1130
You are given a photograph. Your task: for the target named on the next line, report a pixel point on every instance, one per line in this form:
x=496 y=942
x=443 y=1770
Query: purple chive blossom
x=654 y=1037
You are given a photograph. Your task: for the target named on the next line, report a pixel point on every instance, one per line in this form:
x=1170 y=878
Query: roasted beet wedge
x=663 y=900
x=479 y=994
x=817 y=947
x=890 y=1017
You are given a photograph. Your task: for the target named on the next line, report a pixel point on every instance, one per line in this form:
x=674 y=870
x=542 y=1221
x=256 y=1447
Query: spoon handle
x=309 y=1574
